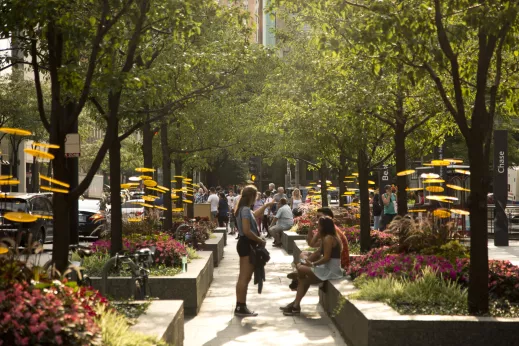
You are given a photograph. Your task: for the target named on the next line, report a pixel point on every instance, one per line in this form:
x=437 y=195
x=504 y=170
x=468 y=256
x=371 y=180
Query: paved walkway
x=216 y=325
x=510 y=252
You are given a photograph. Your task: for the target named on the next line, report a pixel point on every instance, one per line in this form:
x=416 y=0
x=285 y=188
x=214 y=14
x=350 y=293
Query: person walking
x=223 y=211
x=389 y=201
x=257 y=205
x=266 y=214
x=214 y=200
x=377 y=211
x=278 y=196
x=248 y=237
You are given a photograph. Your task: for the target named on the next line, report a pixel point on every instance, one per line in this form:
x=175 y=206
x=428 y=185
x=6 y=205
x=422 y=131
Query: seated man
x=283 y=221
x=313 y=240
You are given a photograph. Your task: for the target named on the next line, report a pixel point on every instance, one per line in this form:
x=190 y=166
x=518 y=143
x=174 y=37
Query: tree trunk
x=60 y=207
x=365 y=222
x=147 y=145
x=343 y=171
x=166 y=174
x=400 y=158
x=115 y=194
x=323 y=175
x=478 y=272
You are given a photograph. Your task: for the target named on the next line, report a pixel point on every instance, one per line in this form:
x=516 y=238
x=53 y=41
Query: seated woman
x=324 y=264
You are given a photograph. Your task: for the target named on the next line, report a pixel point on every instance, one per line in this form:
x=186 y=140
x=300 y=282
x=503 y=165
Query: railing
x=512 y=214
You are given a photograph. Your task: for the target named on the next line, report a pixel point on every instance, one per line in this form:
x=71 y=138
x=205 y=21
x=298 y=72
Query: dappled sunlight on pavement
x=216 y=324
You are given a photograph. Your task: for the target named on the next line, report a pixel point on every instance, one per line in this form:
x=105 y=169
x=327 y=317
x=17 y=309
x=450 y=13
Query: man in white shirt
x=213 y=199
x=283 y=221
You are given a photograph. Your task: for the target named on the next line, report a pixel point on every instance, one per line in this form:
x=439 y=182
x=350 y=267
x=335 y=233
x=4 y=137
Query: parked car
x=32 y=203
x=137 y=194
x=132 y=209
x=92 y=220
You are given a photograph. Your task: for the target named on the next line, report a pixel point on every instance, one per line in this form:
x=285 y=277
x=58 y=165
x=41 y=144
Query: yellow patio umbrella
x=442 y=213
x=174 y=196
x=179 y=176
x=458 y=188
x=187 y=201
x=20 y=217
x=144 y=170
x=414 y=189
x=453 y=160
x=2 y=177
x=462 y=171
x=45 y=145
x=417 y=210
x=189 y=195
x=3 y=250
x=54 y=181
x=9 y=182
x=53 y=189
x=149 y=198
x=15 y=131
x=45 y=217
x=150 y=183
x=177 y=210
x=355 y=174
x=435 y=189
x=162 y=187
x=371 y=182
x=460 y=212
x=440 y=163
x=406 y=172
x=432 y=181
x=146 y=205
x=145 y=177
x=350 y=177
x=39 y=154
x=125 y=186
x=348 y=181
x=134 y=219
x=161 y=208
x=429 y=176
x=441 y=198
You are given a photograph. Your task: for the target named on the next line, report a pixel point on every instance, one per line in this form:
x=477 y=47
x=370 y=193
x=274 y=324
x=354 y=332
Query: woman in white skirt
x=324 y=264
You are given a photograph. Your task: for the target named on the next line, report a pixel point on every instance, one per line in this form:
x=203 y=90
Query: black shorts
x=243 y=246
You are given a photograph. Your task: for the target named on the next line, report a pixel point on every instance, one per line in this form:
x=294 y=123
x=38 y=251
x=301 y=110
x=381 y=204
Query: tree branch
x=418 y=124
x=98 y=106
x=37 y=84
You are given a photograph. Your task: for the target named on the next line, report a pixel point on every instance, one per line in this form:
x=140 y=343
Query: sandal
x=292 y=311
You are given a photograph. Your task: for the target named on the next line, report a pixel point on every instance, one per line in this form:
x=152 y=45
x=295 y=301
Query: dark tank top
x=336 y=250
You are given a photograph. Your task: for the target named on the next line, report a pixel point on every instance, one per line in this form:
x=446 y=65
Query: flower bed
x=57 y=312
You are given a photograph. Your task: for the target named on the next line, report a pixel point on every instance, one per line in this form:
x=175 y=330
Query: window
x=39 y=206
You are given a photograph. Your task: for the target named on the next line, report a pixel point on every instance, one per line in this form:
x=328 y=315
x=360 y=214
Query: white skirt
x=329 y=271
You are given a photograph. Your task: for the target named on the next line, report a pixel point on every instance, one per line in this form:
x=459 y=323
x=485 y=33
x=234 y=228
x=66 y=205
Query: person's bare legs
x=306 y=278
x=246 y=270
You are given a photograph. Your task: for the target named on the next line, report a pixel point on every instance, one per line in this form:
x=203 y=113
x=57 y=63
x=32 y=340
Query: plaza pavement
x=216 y=325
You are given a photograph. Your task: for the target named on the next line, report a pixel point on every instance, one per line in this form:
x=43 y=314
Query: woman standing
x=377 y=211
x=324 y=264
x=248 y=236
x=223 y=210
x=297 y=199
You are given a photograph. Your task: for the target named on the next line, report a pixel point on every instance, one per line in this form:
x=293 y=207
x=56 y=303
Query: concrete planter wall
x=222 y=230
x=215 y=245
x=288 y=238
x=299 y=246
x=191 y=287
x=365 y=323
x=163 y=319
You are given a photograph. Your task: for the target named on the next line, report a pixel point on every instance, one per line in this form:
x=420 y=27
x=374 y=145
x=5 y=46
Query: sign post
x=500 y=187
x=384 y=178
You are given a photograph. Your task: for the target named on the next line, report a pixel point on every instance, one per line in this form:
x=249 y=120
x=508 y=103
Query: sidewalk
x=510 y=253
x=216 y=325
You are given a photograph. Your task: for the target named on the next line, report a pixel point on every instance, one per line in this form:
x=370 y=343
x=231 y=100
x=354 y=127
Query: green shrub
x=192 y=254
x=428 y=294
x=116 y=331
x=451 y=251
